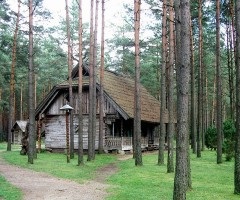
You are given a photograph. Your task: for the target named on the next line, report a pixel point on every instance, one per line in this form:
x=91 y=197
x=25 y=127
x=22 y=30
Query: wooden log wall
x=55 y=132
x=54 y=109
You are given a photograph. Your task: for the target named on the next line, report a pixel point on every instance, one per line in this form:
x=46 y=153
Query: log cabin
x=118 y=113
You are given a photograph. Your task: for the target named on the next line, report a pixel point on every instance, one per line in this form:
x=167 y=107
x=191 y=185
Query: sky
x=57 y=8
x=113 y=14
x=113 y=10
x=112 y=7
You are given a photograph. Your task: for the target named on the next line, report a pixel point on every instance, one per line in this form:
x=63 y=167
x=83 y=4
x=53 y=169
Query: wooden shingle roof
x=20 y=125
x=120 y=90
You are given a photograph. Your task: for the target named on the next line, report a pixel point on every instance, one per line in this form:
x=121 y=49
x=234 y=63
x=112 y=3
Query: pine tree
x=237 y=145
x=101 y=97
x=163 y=87
x=91 y=88
x=182 y=10
x=219 y=86
x=170 y=103
x=200 y=81
x=12 y=80
x=31 y=87
x=94 y=78
x=80 y=85
x=137 y=96
x=70 y=150
x=192 y=100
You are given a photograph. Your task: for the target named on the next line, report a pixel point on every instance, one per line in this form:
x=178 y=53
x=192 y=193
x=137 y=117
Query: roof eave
x=115 y=105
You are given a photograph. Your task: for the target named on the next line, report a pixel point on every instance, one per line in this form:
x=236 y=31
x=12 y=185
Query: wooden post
x=67 y=109
x=39 y=125
x=67 y=137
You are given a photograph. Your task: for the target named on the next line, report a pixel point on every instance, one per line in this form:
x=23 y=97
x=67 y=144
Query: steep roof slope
x=120 y=90
x=21 y=125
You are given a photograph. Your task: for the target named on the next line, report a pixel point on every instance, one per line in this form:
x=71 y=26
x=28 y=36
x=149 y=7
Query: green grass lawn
x=8 y=191
x=149 y=182
x=209 y=180
x=56 y=164
x=3 y=147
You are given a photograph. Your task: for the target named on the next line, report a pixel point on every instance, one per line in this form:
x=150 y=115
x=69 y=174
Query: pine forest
x=185 y=54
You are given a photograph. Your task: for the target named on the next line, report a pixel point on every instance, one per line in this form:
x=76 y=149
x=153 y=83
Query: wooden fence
x=123 y=143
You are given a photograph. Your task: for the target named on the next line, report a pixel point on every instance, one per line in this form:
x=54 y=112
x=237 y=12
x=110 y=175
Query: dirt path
x=41 y=186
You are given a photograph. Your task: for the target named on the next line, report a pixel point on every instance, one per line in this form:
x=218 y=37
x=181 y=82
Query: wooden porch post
x=113 y=129
x=121 y=134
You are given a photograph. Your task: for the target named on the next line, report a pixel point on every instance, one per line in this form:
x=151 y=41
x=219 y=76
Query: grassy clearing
x=3 y=147
x=149 y=182
x=8 y=191
x=56 y=164
x=210 y=181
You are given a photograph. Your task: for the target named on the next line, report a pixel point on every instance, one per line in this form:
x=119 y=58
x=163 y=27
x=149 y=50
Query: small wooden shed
x=19 y=130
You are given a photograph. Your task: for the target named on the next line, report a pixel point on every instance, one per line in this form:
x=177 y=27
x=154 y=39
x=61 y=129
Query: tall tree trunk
x=192 y=111
x=203 y=85
x=14 y=107
x=182 y=12
x=35 y=90
x=94 y=77
x=230 y=55
x=229 y=69
x=39 y=141
x=192 y=101
x=137 y=111
x=101 y=97
x=31 y=86
x=170 y=127
x=12 y=81
x=21 y=102
x=213 y=114
x=163 y=87
x=203 y=107
x=233 y=56
x=206 y=106
x=1 y=118
x=200 y=91
x=80 y=85
x=232 y=15
x=219 y=86
x=71 y=103
x=237 y=144
x=91 y=66
x=70 y=80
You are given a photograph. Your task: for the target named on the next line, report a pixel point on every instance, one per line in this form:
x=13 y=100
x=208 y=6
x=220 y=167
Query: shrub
x=211 y=138
x=229 y=131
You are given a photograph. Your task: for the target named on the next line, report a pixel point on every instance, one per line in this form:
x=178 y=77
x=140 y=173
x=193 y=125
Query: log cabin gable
x=61 y=97
x=57 y=103
x=110 y=106
x=118 y=97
